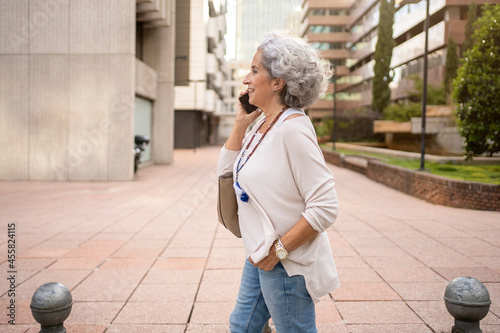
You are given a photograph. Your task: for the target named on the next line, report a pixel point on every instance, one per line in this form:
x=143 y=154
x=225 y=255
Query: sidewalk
x=150 y=256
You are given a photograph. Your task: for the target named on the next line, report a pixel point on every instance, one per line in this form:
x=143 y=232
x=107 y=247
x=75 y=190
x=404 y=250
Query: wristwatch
x=281 y=252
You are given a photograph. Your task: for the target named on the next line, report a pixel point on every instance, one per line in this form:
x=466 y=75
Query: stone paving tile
x=227 y=252
x=107 y=286
x=213 y=292
x=343 y=251
x=483 y=274
x=6 y=328
x=332 y=327
x=381 y=251
x=423 y=291
x=434 y=314
x=365 y=291
x=43 y=253
x=221 y=263
x=93 y=313
x=95 y=248
x=491 y=262
x=389 y=312
x=75 y=328
x=139 y=249
x=159 y=276
x=471 y=247
x=76 y=263
x=177 y=252
x=494 y=291
x=211 y=312
x=456 y=260
x=70 y=279
x=180 y=263
x=168 y=292
x=22 y=312
x=155 y=313
x=350 y=262
x=138 y=264
x=326 y=312
x=222 y=276
x=390 y=328
x=208 y=328
x=347 y=274
x=403 y=261
x=409 y=274
x=132 y=328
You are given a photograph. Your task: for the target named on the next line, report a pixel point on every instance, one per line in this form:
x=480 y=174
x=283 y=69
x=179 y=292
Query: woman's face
x=260 y=86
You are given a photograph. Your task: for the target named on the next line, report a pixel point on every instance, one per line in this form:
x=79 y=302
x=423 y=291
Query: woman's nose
x=246 y=80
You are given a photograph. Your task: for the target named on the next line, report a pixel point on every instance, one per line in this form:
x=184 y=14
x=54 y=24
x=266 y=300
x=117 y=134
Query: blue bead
x=244 y=197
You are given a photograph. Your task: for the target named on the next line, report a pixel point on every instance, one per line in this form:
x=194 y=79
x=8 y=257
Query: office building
x=326 y=25
x=254 y=19
x=347 y=31
x=200 y=71
x=78 y=79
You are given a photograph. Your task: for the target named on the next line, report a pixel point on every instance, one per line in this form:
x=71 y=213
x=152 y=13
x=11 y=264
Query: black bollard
x=468 y=301
x=50 y=306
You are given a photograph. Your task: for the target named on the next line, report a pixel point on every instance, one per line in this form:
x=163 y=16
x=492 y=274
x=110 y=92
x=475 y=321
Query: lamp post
x=424 y=92
x=195 y=107
x=334 y=127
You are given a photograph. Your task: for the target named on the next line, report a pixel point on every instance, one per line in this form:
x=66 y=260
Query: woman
x=286 y=195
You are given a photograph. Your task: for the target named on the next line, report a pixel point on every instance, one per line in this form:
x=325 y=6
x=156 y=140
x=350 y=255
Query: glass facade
x=255 y=18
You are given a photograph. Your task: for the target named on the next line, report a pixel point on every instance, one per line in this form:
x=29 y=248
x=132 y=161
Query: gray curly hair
x=299 y=65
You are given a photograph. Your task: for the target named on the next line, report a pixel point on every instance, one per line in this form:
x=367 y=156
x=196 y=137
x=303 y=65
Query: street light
x=334 y=127
x=195 y=108
x=424 y=92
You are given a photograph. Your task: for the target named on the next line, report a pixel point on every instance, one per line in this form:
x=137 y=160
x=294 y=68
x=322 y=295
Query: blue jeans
x=263 y=295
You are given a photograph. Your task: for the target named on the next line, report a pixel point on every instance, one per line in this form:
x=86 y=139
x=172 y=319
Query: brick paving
x=149 y=255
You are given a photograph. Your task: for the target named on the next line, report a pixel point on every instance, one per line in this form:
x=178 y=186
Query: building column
x=159 y=53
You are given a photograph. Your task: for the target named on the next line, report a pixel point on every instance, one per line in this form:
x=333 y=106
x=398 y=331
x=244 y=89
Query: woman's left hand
x=268 y=262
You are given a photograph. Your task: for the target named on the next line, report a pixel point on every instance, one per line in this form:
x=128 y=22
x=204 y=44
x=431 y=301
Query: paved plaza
x=149 y=255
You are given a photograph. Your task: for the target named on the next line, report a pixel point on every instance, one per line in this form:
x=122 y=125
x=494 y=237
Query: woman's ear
x=278 y=84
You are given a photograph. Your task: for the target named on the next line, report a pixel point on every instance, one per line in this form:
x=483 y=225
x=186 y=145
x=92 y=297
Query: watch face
x=281 y=254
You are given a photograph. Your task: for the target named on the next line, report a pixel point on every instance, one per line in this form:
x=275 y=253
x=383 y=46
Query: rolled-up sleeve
x=226 y=161
x=313 y=178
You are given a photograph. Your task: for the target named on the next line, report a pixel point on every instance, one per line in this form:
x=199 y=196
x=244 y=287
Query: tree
x=413 y=108
x=469 y=26
x=451 y=65
x=383 y=54
x=435 y=94
x=477 y=88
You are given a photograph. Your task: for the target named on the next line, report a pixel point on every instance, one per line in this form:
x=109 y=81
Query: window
x=325 y=28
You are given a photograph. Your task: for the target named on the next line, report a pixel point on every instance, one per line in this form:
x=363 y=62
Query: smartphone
x=249 y=108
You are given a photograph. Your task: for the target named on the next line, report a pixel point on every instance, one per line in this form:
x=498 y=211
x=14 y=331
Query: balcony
x=329 y=20
x=328 y=37
x=335 y=54
x=212 y=64
x=414 y=48
x=154 y=13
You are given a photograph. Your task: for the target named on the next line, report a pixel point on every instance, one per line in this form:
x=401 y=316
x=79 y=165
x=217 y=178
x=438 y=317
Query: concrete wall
x=67 y=71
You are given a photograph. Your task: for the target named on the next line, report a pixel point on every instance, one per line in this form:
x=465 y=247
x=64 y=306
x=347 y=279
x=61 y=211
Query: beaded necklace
x=242 y=194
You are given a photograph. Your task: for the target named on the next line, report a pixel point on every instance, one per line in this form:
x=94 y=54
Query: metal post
x=424 y=92
x=334 y=127
x=195 y=89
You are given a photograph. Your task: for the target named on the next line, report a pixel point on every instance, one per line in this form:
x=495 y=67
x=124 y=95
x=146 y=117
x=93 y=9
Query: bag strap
x=288 y=113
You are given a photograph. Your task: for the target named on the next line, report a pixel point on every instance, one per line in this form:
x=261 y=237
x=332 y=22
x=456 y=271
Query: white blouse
x=287 y=178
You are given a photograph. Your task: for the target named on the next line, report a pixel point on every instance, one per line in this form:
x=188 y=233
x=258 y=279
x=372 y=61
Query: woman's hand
x=244 y=118
x=268 y=262
x=241 y=123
